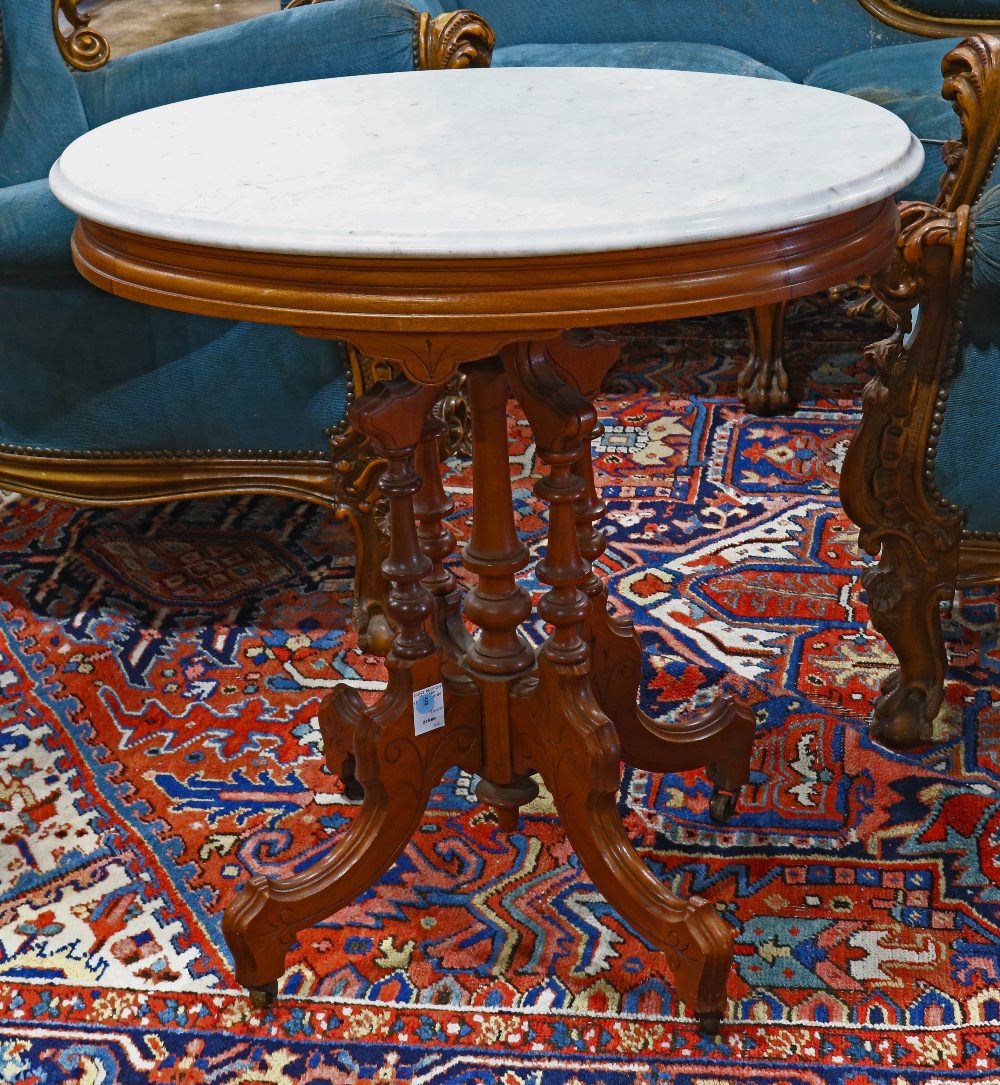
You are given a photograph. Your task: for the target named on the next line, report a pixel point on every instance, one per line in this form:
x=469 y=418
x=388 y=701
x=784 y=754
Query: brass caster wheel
x=710 y=1024
x=722 y=805
x=262 y=997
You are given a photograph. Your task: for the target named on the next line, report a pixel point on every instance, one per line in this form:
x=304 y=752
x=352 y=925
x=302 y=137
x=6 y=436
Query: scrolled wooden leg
x=763 y=383
x=904 y=596
x=719 y=738
x=339 y=716
x=397 y=771
x=395 y=766
x=886 y=484
x=564 y=733
x=560 y=729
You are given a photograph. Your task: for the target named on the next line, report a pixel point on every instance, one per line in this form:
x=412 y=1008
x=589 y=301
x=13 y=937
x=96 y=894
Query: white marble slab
x=511 y=161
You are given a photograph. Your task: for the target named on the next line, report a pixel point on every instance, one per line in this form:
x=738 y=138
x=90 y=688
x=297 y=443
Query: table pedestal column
x=509 y=711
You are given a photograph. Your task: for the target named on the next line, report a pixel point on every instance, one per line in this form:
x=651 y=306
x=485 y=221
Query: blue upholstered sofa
x=887 y=51
x=105 y=401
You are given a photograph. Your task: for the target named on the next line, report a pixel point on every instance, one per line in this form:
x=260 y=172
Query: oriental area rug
x=161 y=670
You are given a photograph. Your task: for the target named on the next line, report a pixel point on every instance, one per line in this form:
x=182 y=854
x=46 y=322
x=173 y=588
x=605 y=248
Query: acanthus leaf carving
x=454 y=39
x=972 y=84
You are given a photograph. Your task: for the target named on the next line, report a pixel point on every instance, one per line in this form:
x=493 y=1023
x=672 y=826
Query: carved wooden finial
x=82 y=48
x=455 y=39
x=971 y=83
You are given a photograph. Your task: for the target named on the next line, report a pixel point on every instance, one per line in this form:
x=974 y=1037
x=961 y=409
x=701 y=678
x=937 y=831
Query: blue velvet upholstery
x=81 y=371
x=907 y=80
x=793 y=36
x=40 y=111
x=342 y=38
x=34 y=230
x=967 y=467
x=679 y=56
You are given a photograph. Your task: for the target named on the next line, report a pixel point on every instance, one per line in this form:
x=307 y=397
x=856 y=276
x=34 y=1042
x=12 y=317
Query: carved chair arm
x=453 y=39
x=887 y=484
x=81 y=47
x=928 y=262
x=35 y=230
x=972 y=84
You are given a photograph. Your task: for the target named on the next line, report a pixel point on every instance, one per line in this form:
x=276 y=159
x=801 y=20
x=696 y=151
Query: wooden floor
x=130 y=25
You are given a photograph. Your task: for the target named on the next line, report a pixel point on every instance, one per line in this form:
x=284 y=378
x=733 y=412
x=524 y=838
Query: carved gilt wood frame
x=903 y=16
x=888 y=483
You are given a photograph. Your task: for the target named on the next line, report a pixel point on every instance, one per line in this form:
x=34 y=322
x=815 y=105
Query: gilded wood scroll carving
x=81 y=48
x=972 y=84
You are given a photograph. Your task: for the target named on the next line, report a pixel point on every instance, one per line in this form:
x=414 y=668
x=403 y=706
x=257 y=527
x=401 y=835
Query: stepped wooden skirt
x=492 y=704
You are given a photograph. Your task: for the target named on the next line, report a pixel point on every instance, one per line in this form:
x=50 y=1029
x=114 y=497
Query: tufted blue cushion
x=680 y=56
x=83 y=370
x=348 y=37
x=967 y=467
x=792 y=36
x=40 y=110
x=907 y=80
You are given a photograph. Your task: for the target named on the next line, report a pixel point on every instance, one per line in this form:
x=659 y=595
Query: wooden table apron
x=510 y=711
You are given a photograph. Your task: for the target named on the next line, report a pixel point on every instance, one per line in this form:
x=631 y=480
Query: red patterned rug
x=161 y=670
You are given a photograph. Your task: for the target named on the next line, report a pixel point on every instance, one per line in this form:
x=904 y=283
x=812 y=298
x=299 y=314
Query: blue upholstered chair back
x=793 y=36
x=40 y=109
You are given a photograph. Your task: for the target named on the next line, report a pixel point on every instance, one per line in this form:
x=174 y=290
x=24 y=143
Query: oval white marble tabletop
x=488 y=162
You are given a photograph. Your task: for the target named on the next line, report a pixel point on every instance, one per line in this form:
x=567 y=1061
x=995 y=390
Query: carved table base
x=567 y=711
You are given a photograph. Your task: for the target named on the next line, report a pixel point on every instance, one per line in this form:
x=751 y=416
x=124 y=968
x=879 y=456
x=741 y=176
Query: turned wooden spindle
x=564 y=606
x=494 y=553
x=588 y=511
x=497 y=604
x=431 y=505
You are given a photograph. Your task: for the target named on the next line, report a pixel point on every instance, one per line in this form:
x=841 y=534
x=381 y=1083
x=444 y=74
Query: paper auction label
x=428 y=709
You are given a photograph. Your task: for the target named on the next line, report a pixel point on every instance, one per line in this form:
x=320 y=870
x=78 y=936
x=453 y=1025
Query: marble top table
x=518 y=162
x=434 y=219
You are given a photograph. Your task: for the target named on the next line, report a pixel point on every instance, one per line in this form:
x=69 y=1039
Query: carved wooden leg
x=432 y=505
x=497 y=604
x=396 y=767
x=885 y=481
x=559 y=727
x=763 y=384
x=904 y=595
x=720 y=738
